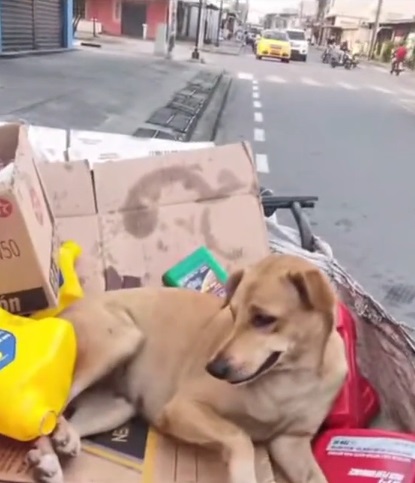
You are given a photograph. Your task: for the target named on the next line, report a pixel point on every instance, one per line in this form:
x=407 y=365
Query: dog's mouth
x=267 y=364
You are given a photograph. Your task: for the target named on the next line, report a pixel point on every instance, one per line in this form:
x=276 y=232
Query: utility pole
x=219 y=23
x=171 y=27
x=301 y=12
x=375 y=29
x=200 y=32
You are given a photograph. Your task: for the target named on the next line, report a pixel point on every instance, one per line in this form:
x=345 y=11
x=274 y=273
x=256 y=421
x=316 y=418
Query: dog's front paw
x=46 y=467
x=66 y=441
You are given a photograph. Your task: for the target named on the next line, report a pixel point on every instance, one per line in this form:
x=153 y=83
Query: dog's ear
x=232 y=284
x=315 y=290
x=316 y=293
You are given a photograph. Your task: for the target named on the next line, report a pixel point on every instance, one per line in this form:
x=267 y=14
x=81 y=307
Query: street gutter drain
x=183 y=111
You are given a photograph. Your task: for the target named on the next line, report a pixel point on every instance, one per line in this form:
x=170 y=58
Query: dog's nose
x=218 y=368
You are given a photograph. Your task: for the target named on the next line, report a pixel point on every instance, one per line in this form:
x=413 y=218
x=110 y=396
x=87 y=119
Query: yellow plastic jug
x=37 y=360
x=70 y=289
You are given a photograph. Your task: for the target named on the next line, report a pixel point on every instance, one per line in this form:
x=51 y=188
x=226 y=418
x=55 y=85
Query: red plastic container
x=357 y=402
x=366 y=456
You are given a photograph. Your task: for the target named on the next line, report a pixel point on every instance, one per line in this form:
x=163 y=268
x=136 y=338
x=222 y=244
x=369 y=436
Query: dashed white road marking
x=310 y=82
x=255 y=95
x=261 y=161
x=383 y=90
x=347 y=86
x=259 y=135
x=258 y=104
x=276 y=79
x=258 y=117
x=245 y=76
x=255 y=87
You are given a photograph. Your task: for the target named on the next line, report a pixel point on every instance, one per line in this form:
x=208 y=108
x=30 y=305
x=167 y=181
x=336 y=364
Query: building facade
x=33 y=25
x=132 y=18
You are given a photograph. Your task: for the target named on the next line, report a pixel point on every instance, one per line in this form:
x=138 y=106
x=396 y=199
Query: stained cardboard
x=141 y=216
x=27 y=252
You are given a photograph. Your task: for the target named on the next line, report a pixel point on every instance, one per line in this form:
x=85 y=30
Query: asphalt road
x=348 y=137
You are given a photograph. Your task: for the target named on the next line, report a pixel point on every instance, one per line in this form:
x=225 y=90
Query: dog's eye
x=262 y=320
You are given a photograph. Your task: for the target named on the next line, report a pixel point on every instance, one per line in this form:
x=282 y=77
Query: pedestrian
x=399 y=56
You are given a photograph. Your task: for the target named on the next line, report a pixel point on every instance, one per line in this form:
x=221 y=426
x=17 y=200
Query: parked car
x=299 y=44
x=274 y=44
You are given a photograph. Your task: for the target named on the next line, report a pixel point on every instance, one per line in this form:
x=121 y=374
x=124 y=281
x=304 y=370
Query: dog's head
x=283 y=311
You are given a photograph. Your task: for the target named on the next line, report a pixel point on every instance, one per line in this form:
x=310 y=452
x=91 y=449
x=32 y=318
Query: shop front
x=33 y=25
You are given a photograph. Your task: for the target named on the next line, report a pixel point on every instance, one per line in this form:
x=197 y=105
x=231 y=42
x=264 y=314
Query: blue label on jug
x=203 y=279
x=7 y=348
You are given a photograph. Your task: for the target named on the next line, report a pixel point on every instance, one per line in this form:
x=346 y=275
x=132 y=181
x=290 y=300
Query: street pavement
x=348 y=137
x=108 y=89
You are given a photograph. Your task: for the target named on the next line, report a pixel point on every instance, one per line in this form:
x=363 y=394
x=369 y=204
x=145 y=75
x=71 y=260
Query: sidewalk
x=182 y=50
x=128 y=46
x=90 y=89
x=226 y=47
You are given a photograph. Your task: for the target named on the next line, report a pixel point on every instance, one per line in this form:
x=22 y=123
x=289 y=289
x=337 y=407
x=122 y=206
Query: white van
x=299 y=44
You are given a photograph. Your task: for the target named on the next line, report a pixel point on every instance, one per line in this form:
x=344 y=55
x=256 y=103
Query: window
x=296 y=35
x=275 y=35
x=117 y=10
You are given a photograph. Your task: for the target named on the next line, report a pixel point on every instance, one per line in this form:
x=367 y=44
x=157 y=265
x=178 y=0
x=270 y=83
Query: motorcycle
x=344 y=59
x=396 y=67
x=350 y=61
x=336 y=59
x=326 y=55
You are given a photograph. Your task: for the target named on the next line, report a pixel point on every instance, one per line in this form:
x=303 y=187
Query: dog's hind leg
x=100 y=356
x=198 y=424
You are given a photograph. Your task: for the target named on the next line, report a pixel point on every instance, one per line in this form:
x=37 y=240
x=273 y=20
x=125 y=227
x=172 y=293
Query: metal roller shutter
x=48 y=24
x=17 y=25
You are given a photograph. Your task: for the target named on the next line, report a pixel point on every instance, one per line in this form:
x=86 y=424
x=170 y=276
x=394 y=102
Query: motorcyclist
x=344 y=46
x=331 y=42
x=399 y=56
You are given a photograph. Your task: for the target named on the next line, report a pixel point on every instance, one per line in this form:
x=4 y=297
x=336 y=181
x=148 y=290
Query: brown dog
x=265 y=366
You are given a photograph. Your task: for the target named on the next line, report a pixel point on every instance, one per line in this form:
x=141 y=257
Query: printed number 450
x=9 y=249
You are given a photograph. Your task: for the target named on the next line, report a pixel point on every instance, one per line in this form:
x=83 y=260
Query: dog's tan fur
x=149 y=351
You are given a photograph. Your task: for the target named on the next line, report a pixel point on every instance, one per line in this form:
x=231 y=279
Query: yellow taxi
x=274 y=44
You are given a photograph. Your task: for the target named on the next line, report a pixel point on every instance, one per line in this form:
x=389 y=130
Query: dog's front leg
x=99 y=411
x=44 y=461
x=198 y=424
x=293 y=456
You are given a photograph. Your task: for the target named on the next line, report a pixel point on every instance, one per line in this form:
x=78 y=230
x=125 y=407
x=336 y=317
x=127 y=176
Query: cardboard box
x=139 y=217
x=26 y=229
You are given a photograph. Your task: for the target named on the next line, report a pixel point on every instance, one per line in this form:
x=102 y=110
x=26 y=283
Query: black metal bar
x=287 y=201
x=304 y=228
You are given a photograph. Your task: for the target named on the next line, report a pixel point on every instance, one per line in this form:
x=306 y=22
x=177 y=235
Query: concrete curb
x=28 y=53
x=208 y=124
x=235 y=53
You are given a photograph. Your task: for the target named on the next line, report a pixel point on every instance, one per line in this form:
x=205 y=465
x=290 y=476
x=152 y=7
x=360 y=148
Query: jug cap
x=48 y=423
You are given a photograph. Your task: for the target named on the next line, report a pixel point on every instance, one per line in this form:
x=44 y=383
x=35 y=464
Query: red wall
x=105 y=11
x=156 y=14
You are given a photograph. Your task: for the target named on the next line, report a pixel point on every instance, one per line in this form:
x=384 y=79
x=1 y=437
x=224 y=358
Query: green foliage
x=387 y=49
